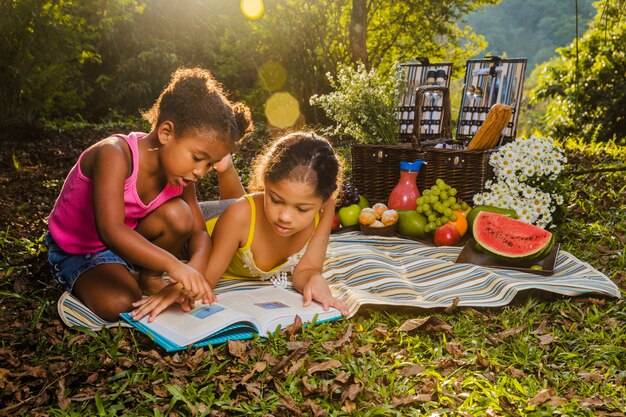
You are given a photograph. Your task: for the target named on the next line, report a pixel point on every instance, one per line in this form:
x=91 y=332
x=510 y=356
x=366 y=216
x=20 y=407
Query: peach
x=379 y=208
x=377 y=223
x=367 y=216
x=389 y=217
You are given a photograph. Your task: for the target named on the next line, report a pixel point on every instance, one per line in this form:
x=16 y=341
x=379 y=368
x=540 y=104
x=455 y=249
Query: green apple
x=363 y=202
x=411 y=223
x=349 y=215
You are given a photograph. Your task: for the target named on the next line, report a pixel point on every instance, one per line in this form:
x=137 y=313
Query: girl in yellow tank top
x=280 y=232
x=242 y=266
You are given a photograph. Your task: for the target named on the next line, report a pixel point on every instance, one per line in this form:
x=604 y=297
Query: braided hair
x=301 y=157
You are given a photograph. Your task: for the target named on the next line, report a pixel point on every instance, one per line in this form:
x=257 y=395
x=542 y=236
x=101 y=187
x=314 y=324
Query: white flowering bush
x=362 y=104
x=526 y=179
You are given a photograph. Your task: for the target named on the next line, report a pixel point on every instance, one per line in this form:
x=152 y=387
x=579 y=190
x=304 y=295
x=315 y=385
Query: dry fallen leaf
x=315 y=409
x=427 y=324
x=546 y=339
x=348 y=406
x=452 y=307
x=238 y=348
x=412 y=370
x=541 y=397
x=295 y=345
x=92 y=378
x=591 y=377
x=290 y=404
x=558 y=401
x=592 y=300
x=309 y=387
x=295 y=367
x=455 y=349
x=514 y=372
x=345 y=338
x=352 y=391
x=411 y=399
x=290 y=331
x=510 y=332
x=62 y=401
x=342 y=377
x=324 y=366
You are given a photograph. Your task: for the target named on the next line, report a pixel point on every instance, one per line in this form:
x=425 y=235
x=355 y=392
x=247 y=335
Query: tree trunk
x=358 y=32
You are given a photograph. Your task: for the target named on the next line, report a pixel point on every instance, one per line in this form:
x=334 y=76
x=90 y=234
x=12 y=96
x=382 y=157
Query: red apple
x=336 y=222
x=447 y=235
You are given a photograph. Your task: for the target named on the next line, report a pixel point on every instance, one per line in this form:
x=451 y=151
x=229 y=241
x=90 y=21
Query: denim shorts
x=68 y=267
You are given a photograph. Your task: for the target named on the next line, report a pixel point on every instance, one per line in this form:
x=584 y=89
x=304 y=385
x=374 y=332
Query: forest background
x=65 y=62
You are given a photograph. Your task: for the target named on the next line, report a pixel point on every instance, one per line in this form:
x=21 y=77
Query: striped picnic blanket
x=398 y=273
x=390 y=271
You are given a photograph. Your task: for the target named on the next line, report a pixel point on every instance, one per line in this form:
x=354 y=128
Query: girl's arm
x=228 y=180
x=199 y=244
x=109 y=168
x=231 y=231
x=307 y=276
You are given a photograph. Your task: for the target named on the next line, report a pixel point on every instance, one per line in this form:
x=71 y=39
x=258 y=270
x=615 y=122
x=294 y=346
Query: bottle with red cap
x=405 y=193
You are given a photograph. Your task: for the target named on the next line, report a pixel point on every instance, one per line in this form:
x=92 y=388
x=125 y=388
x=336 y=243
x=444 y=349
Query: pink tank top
x=71 y=222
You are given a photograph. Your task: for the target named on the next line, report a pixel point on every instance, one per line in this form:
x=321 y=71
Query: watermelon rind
x=511 y=240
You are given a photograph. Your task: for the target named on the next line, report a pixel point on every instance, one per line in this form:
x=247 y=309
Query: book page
x=186 y=328
x=273 y=307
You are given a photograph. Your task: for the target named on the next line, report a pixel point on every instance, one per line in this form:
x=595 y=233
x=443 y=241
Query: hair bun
x=243 y=119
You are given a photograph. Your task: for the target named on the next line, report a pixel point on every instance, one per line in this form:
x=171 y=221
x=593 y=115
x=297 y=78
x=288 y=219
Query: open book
x=237 y=315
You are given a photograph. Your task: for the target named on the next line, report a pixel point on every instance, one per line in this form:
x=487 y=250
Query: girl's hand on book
x=317 y=289
x=193 y=283
x=158 y=302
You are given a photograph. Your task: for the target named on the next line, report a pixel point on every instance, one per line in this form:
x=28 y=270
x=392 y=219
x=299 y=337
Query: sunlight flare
x=282 y=110
x=252 y=9
x=272 y=75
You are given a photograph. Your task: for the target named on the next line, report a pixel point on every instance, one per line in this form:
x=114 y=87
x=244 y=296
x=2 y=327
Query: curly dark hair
x=194 y=101
x=303 y=157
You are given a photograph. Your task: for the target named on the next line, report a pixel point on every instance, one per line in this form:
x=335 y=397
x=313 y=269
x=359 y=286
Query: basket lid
x=411 y=166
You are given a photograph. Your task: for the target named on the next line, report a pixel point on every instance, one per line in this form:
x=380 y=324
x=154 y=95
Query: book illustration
x=271 y=305
x=206 y=311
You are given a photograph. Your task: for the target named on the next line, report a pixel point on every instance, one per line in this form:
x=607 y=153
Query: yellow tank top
x=242 y=266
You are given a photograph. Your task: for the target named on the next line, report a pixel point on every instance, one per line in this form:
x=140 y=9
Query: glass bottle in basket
x=405 y=193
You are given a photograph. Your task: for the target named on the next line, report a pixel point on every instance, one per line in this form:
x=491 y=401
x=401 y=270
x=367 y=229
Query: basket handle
x=446 y=133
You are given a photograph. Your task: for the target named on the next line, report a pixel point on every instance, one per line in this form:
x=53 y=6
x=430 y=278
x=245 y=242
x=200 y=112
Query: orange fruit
x=460 y=223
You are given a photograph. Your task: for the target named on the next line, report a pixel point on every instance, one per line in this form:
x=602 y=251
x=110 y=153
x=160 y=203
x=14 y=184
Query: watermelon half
x=510 y=239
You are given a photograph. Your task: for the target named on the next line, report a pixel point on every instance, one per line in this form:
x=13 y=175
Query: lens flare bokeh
x=252 y=9
x=282 y=110
x=272 y=75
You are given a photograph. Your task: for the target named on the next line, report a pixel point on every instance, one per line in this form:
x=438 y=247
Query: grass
x=539 y=356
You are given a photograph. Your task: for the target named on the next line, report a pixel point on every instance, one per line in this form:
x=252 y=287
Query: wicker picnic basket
x=376 y=169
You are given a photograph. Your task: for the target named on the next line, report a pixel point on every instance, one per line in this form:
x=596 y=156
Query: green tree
x=95 y=59
x=314 y=37
x=45 y=45
x=584 y=88
x=530 y=28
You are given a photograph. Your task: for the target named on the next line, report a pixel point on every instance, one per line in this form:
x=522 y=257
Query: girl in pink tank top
x=127 y=213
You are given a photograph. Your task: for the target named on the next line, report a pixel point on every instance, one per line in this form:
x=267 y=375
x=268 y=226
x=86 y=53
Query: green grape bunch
x=438 y=204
